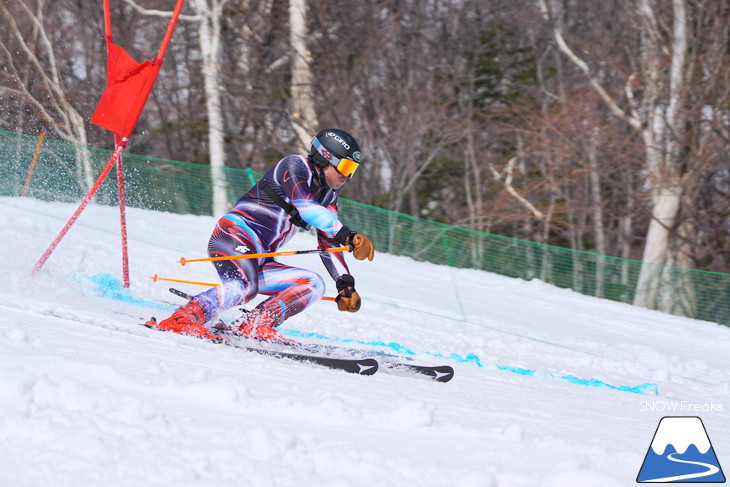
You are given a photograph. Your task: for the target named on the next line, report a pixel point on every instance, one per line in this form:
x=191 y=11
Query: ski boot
x=260 y=325
x=187 y=320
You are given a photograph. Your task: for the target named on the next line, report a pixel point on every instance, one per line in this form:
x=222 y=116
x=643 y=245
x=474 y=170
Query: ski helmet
x=336 y=147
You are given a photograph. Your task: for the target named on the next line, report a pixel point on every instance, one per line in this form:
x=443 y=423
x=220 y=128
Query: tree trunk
x=663 y=165
x=599 y=232
x=210 y=35
x=661 y=125
x=304 y=115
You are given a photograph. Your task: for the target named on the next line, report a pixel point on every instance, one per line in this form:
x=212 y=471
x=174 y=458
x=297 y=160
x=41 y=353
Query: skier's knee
x=317 y=284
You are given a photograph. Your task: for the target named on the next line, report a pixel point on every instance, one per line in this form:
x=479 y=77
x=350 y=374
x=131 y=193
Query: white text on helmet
x=339 y=139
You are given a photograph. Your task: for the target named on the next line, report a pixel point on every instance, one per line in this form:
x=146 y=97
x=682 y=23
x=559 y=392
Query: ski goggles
x=345 y=166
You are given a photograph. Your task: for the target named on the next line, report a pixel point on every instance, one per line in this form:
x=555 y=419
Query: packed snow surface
x=552 y=388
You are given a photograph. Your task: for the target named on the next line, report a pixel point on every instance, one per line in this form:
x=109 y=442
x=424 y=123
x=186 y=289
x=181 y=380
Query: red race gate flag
x=127 y=88
x=128 y=85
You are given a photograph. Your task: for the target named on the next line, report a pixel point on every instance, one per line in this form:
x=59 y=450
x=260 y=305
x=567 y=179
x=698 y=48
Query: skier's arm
x=293 y=176
x=334 y=262
x=348 y=298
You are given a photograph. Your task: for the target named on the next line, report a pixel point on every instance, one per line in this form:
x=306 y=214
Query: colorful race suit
x=258 y=224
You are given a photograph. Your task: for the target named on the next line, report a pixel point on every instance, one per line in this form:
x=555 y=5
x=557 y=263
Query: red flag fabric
x=128 y=85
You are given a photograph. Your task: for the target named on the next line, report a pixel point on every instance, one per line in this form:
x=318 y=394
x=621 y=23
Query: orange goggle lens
x=347 y=167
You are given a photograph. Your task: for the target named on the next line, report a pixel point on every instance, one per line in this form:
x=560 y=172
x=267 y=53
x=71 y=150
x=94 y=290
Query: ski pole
x=184 y=261
x=156 y=278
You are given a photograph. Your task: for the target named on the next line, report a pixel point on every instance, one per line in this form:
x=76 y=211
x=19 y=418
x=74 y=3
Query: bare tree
x=208 y=16
x=37 y=75
x=659 y=114
x=304 y=116
x=210 y=13
x=602 y=136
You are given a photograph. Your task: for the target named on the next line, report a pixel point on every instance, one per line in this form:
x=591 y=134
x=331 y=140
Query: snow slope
x=552 y=388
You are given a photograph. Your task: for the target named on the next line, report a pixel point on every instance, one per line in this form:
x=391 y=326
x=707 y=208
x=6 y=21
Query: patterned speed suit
x=257 y=224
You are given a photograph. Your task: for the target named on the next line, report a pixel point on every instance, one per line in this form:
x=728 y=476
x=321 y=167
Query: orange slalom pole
x=33 y=163
x=184 y=261
x=158 y=278
x=210 y=284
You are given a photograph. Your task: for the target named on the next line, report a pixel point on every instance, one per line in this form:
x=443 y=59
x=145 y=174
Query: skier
x=297 y=192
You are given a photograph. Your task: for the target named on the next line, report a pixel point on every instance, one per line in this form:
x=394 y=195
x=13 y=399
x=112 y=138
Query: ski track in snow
x=88 y=397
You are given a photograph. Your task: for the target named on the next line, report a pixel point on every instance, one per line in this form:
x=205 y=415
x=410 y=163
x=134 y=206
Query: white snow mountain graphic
x=681 y=452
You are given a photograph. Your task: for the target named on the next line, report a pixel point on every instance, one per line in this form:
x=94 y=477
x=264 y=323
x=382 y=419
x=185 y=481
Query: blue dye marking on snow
x=516 y=370
x=107 y=286
x=397 y=347
x=470 y=358
x=647 y=389
x=644 y=389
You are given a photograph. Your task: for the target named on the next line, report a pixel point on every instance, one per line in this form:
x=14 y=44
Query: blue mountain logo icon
x=681 y=452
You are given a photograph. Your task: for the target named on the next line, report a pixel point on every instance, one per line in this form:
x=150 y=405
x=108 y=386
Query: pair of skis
x=322 y=355
x=353 y=365
x=361 y=366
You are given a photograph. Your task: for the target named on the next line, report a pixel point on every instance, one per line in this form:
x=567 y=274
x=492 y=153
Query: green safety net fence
x=179 y=187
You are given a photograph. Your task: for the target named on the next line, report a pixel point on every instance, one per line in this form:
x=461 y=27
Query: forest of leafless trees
x=599 y=125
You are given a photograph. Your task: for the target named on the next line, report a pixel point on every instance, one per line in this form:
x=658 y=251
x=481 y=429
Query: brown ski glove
x=360 y=246
x=347 y=298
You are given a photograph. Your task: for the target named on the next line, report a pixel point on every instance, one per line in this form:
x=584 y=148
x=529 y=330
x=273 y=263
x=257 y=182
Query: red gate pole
x=109 y=165
x=122 y=217
x=120 y=169
x=170 y=29
x=128 y=127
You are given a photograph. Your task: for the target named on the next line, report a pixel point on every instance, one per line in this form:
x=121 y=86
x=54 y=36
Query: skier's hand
x=361 y=247
x=347 y=298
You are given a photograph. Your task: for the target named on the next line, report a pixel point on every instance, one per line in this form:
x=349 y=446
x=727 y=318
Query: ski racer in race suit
x=297 y=192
